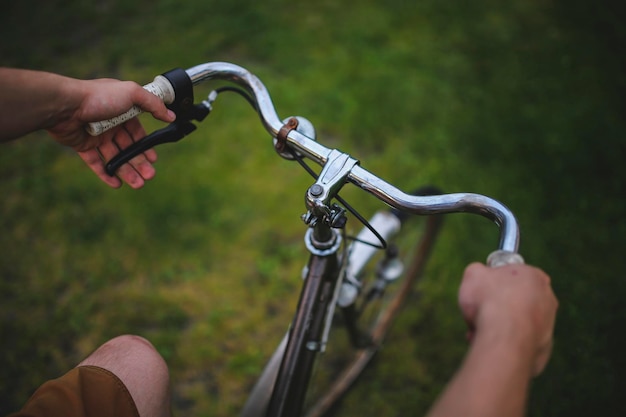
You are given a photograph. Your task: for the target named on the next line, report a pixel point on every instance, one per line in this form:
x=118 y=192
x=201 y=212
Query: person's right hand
x=35 y=100
x=513 y=302
x=96 y=100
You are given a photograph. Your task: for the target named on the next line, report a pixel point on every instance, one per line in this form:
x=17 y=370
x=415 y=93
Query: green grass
x=520 y=100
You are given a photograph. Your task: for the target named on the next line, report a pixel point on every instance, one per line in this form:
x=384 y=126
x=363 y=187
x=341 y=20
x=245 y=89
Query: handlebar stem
x=336 y=170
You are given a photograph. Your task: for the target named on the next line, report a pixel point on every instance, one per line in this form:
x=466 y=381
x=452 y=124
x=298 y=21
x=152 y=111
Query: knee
x=137 y=347
x=129 y=351
x=140 y=367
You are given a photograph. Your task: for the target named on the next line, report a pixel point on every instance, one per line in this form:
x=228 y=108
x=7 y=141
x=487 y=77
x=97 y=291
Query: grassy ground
x=522 y=100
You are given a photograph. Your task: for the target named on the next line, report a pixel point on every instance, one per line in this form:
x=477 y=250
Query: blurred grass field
x=522 y=101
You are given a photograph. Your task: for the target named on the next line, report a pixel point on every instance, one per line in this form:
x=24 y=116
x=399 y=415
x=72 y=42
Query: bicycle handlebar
x=438 y=204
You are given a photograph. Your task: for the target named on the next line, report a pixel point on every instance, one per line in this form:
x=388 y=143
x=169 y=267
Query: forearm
x=33 y=100
x=492 y=382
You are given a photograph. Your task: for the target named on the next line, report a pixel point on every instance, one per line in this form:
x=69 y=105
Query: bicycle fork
x=307 y=331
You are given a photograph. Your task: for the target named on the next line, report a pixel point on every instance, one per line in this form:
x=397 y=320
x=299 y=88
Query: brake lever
x=172 y=133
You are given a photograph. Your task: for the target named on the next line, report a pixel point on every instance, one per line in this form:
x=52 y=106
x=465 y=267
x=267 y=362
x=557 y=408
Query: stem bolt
x=316 y=190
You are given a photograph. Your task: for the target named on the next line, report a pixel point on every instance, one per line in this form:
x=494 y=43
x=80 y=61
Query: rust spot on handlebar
x=281 y=138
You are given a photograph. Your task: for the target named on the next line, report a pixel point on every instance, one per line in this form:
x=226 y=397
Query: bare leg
x=141 y=368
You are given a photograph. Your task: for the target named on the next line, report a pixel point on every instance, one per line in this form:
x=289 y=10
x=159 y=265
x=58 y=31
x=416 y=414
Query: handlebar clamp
x=281 y=138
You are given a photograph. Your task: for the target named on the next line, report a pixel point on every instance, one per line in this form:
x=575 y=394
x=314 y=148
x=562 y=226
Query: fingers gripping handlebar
x=173 y=87
x=438 y=204
x=160 y=87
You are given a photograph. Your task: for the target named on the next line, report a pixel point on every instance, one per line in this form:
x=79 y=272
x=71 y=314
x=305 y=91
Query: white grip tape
x=160 y=87
x=503 y=257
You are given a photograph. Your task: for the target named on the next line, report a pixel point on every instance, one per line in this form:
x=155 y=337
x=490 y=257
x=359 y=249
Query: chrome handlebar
x=447 y=203
x=176 y=89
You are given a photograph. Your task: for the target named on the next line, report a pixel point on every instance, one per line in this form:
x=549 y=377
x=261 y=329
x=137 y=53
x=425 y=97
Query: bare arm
x=511 y=312
x=35 y=100
x=32 y=100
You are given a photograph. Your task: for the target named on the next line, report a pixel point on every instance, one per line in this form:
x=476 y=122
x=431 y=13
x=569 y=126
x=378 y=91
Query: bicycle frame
x=305 y=335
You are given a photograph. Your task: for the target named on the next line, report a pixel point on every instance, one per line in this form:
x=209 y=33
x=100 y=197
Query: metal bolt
x=316 y=190
x=292 y=122
x=338 y=221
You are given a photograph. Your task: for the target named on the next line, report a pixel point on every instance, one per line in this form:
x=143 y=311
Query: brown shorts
x=87 y=391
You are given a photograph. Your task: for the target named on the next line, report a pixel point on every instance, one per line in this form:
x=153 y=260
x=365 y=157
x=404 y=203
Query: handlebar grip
x=160 y=87
x=503 y=257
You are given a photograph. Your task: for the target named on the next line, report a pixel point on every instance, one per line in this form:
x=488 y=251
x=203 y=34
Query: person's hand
x=512 y=302
x=101 y=100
